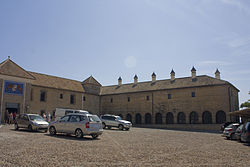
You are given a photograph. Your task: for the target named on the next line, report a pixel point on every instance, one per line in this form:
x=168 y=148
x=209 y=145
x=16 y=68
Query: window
x=84 y=98
x=111 y=100
x=68 y=112
x=64 y=119
x=138 y=118
x=169 y=118
x=169 y=96
x=128 y=99
x=61 y=96
x=42 y=96
x=74 y=118
x=147 y=98
x=193 y=94
x=72 y=99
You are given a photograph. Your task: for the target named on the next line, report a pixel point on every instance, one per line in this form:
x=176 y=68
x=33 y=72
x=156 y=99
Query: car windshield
x=94 y=118
x=118 y=118
x=35 y=118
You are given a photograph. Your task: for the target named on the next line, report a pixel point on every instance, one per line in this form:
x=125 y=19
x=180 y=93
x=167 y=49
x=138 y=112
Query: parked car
x=238 y=132
x=115 y=121
x=229 y=131
x=77 y=124
x=31 y=122
x=60 y=112
x=224 y=125
x=245 y=135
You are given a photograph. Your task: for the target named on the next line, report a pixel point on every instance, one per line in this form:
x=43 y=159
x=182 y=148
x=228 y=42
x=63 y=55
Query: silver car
x=31 y=122
x=229 y=131
x=77 y=124
x=115 y=121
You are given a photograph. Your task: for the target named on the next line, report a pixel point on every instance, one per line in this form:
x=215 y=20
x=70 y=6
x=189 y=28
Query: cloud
x=130 y=62
x=217 y=63
x=238 y=4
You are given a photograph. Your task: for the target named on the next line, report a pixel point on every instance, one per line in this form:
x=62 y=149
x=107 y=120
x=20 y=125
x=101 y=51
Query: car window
x=25 y=117
x=112 y=118
x=64 y=119
x=118 y=118
x=68 y=112
x=94 y=118
x=82 y=117
x=77 y=111
x=35 y=118
x=248 y=126
x=74 y=118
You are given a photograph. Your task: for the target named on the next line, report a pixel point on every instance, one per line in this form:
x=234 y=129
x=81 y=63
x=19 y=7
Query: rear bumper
x=94 y=132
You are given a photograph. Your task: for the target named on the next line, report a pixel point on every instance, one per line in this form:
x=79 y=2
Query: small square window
x=128 y=99
x=43 y=96
x=84 y=98
x=193 y=94
x=111 y=100
x=61 y=96
x=169 y=96
x=147 y=98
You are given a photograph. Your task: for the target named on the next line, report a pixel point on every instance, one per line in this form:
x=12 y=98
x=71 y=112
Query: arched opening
x=129 y=117
x=220 y=117
x=169 y=118
x=138 y=118
x=158 y=118
x=148 y=118
x=193 y=118
x=206 y=117
x=181 y=118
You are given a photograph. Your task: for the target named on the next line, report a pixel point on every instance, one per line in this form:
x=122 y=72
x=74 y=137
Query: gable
x=91 y=80
x=10 y=68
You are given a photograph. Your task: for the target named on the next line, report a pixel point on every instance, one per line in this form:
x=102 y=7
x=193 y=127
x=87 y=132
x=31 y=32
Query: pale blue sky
x=110 y=38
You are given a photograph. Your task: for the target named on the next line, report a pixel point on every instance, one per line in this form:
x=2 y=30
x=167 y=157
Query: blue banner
x=13 y=88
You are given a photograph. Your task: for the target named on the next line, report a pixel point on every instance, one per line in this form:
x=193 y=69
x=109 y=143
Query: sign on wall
x=13 y=88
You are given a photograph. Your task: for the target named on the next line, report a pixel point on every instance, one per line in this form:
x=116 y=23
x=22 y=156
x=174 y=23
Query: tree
x=246 y=104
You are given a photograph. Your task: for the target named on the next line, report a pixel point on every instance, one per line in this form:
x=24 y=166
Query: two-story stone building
x=190 y=100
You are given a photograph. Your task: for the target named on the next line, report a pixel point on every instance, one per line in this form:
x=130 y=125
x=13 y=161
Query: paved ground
x=137 y=147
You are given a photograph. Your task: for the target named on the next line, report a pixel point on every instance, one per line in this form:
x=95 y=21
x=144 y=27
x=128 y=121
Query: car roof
x=80 y=114
x=110 y=115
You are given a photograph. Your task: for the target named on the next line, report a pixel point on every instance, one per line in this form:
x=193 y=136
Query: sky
x=109 y=39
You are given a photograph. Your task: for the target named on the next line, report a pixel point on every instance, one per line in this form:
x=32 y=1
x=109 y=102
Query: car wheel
x=30 y=128
x=78 y=133
x=16 y=126
x=121 y=127
x=52 y=130
x=126 y=128
x=228 y=138
x=103 y=126
x=94 y=136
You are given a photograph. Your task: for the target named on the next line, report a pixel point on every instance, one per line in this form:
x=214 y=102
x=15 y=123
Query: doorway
x=12 y=107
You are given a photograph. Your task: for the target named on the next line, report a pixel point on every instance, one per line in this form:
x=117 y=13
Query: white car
x=77 y=124
x=115 y=121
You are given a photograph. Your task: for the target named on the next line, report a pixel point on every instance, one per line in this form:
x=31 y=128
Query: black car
x=245 y=135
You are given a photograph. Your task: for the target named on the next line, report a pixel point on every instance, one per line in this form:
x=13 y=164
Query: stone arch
x=138 y=118
x=169 y=118
x=158 y=118
x=220 y=117
x=193 y=118
x=181 y=118
x=206 y=117
x=148 y=118
x=129 y=117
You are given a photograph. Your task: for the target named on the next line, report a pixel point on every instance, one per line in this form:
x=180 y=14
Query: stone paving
x=140 y=147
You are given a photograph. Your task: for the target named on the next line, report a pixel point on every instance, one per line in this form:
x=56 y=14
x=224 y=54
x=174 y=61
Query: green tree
x=246 y=104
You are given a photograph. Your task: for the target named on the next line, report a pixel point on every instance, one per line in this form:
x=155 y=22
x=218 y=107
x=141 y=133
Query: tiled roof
x=56 y=82
x=8 y=67
x=162 y=84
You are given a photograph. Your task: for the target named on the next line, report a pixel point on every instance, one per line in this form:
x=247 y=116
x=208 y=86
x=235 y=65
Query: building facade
x=190 y=100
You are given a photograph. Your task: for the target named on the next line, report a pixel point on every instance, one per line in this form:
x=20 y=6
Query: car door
x=73 y=124
x=25 y=121
x=61 y=125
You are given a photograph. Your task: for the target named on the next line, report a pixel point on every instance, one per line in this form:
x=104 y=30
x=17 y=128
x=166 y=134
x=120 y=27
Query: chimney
x=172 y=74
x=135 y=79
x=119 y=81
x=193 y=73
x=153 y=77
x=217 y=74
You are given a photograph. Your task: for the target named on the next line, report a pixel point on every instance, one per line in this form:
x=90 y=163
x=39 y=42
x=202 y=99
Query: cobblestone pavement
x=138 y=147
